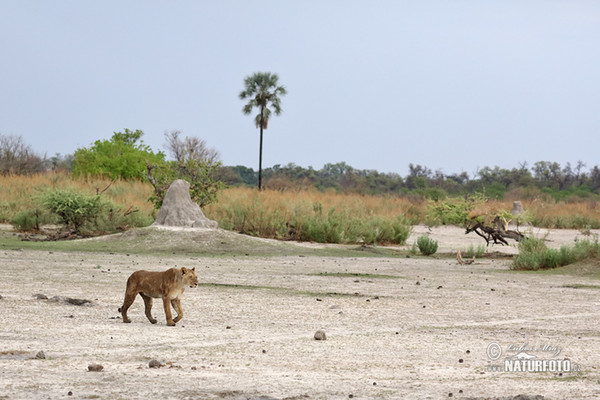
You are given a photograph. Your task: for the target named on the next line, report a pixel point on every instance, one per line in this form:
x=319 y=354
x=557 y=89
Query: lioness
x=168 y=284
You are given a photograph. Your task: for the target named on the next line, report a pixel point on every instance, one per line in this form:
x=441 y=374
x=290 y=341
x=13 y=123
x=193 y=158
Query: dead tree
x=497 y=232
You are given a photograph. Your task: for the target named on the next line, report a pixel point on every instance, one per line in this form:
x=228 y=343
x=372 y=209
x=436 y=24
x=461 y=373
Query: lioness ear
x=194 y=269
x=183 y=270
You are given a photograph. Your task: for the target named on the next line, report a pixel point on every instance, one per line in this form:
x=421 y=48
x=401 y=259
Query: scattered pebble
x=155 y=364
x=95 y=367
x=320 y=335
x=40 y=355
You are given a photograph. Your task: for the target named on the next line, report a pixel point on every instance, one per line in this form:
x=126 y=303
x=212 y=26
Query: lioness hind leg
x=148 y=307
x=176 y=303
x=129 y=298
x=168 y=315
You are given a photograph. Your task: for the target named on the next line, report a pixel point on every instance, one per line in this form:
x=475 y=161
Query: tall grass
x=19 y=193
x=304 y=214
x=310 y=215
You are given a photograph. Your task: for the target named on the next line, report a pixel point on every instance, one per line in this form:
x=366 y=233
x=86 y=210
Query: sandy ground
x=410 y=328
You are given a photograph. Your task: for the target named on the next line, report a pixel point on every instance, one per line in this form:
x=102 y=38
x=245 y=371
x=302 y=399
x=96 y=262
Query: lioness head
x=189 y=276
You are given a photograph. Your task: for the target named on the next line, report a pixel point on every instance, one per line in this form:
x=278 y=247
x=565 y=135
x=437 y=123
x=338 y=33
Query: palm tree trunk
x=260 y=151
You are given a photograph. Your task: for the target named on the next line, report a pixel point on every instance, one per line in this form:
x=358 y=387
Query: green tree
x=262 y=89
x=124 y=156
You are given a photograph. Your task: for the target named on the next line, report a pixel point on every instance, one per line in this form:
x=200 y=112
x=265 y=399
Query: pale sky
x=452 y=85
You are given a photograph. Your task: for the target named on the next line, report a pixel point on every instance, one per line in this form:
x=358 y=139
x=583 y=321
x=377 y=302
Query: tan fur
x=168 y=285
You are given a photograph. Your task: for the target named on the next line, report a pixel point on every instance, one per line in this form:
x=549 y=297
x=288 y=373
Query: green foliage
x=452 y=211
x=534 y=254
x=30 y=220
x=124 y=156
x=73 y=209
x=84 y=214
x=427 y=246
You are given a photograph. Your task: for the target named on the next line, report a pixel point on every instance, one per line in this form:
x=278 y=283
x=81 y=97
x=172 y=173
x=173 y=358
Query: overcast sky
x=452 y=85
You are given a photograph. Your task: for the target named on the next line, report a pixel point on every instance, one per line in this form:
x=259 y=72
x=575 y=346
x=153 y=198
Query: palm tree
x=262 y=90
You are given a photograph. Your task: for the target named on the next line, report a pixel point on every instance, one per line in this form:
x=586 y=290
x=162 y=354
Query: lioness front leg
x=148 y=307
x=167 y=306
x=176 y=303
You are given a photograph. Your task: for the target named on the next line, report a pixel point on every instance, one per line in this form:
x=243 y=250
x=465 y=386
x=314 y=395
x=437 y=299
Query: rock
x=155 y=364
x=40 y=355
x=320 y=335
x=95 y=367
x=179 y=210
x=40 y=296
x=70 y=300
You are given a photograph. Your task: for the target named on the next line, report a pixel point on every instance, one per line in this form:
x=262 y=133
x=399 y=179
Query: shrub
x=534 y=254
x=474 y=252
x=73 y=209
x=427 y=246
x=30 y=220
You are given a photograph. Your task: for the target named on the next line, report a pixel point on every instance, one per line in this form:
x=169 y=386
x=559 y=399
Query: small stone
x=320 y=335
x=40 y=355
x=70 y=393
x=40 y=296
x=418 y=283
x=95 y=367
x=460 y=360
x=155 y=364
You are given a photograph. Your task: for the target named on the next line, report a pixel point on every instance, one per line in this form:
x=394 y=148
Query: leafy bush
x=73 y=209
x=452 y=211
x=30 y=220
x=427 y=246
x=81 y=213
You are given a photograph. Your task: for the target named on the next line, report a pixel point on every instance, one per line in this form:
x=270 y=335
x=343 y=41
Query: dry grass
x=18 y=193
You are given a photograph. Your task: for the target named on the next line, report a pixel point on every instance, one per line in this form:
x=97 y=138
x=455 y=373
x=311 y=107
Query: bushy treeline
x=543 y=177
x=126 y=156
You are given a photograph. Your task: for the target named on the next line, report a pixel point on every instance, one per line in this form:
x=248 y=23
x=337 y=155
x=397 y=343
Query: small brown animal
x=168 y=285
